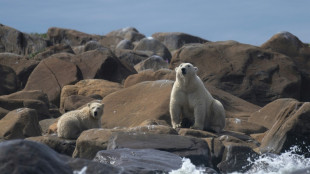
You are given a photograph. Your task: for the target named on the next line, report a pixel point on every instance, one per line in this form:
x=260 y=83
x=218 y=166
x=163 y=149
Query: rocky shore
x=264 y=91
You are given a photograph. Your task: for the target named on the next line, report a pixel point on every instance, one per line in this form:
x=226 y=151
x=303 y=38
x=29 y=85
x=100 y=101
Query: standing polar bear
x=73 y=123
x=189 y=98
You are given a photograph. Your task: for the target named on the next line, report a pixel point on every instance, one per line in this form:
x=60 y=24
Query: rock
x=8 y=81
x=195 y=133
x=234 y=106
x=30 y=99
x=60 y=145
x=92 y=45
x=175 y=40
x=14 y=41
x=132 y=57
x=154 y=46
x=20 y=123
x=125 y=44
x=73 y=102
x=195 y=149
x=140 y=160
x=93 y=140
x=217 y=149
x=236 y=159
x=3 y=112
x=246 y=71
x=59 y=48
x=129 y=33
x=285 y=43
x=102 y=65
x=45 y=124
x=87 y=88
x=291 y=127
x=154 y=62
x=70 y=37
x=238 y=125
x=33 y=157
x=22 y=66
x=131 y=106
x=51 y=75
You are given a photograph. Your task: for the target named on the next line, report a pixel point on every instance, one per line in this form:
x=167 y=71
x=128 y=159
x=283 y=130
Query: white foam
x=188 y=168
x=82 y=171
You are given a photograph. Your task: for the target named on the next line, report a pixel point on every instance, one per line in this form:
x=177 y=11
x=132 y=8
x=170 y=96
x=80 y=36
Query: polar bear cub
x=191 y=100
x=73 y=123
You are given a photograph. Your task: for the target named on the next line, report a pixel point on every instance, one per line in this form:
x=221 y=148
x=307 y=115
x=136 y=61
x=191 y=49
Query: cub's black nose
x=183 y=71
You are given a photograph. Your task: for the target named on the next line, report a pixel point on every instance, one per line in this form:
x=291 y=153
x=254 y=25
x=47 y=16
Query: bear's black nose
x=95 y=113
x=183 y=71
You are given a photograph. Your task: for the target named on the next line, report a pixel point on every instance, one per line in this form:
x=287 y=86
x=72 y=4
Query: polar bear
x=71 y=124
x=192 y=101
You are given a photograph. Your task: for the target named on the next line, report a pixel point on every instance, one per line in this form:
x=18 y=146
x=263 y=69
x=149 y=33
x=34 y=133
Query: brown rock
x=195 y=133
x=51 y=75
x=102 y=65
x=54 y=50
x=125 y=44
x=238 y=125
x=62 y=146
x=3 y=112
x=246 y=71
x=73 y=102
x=92 y=45
x=154 y=62
x=8 y=81
x=88 y=88
x=132 y=57
x=155 y=47
x=175 y=40
x=129 y=33
x=45 y=124
x=20 y=123
x=70 y=37
x=131 y=106
x=291 y=127
x=285 y=43
x=14 y=41
x=22 y=66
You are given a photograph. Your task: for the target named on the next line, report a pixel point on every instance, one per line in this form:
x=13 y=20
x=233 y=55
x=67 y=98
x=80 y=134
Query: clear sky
x=246 y=21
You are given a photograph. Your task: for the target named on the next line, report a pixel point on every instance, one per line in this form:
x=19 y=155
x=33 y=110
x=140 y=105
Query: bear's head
x=186 y=69
x=95 y=109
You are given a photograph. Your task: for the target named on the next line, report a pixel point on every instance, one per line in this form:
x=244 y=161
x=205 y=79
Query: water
x=285 y=163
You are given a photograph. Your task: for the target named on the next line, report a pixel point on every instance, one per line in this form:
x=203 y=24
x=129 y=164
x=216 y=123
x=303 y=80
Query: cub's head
x=186 y=69
x=95 y=109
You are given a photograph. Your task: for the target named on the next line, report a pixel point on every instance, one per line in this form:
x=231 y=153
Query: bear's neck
x=188 y=83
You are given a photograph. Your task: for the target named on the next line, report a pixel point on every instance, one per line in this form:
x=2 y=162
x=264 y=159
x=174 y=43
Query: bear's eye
x=188 y=66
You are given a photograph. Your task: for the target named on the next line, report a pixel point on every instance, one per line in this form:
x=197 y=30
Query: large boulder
x=8 y=81
x=234 y=106
x=88 y=88
x=129 y=33
x=131 y=106
x=175 y=40
x=195 y=149
x=140 y=160
x=290 y=125
x=33 y=157
x=51 y=75
x=102 y=64
x=58 y=48
x=70 y=37
x=29 y=99
x=154 y=62
x=285 y=43
x=246 y=71
x=14 y=41
x=20 y=123
x=153 y=46
x=22 y=66
x=132 y=57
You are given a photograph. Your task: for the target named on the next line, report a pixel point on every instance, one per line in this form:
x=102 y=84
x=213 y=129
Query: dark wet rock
x=8 y=81
x=195 y=149
x=140 y=160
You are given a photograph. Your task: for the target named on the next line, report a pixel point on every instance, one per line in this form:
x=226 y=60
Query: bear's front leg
x=175 y=112
x=200 y=114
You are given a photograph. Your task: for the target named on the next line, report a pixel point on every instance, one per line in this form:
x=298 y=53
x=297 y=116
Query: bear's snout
x=95 y=113
x=183 y=71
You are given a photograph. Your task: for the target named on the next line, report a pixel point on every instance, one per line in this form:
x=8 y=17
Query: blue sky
x=246 y=21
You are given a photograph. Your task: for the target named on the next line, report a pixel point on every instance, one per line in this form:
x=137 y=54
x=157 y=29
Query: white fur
x=73 y=123
x=189 y=98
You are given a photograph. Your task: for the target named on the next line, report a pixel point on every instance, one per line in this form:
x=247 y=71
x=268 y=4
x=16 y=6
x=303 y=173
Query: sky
x=246 y=21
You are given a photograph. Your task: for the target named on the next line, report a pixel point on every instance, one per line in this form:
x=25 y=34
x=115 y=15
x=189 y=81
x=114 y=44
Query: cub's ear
x=196 y=69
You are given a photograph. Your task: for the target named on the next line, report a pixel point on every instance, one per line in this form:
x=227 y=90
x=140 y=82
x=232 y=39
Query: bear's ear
x=88 y=104
x=176 y=69
x=196 y=69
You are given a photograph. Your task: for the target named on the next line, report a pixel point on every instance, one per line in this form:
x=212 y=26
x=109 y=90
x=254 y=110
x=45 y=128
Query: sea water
x=284 y=163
